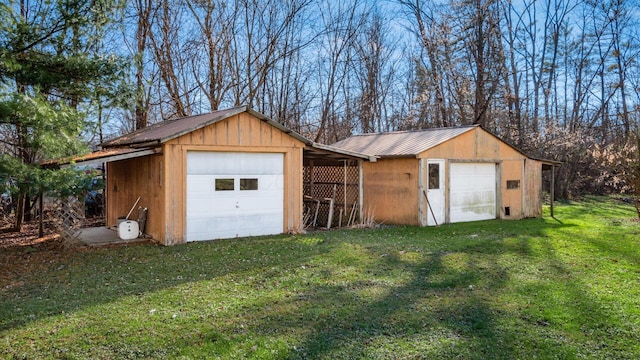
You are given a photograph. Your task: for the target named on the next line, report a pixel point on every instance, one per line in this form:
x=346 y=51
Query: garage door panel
x=199 y=185
x=270 y=182
x=200 y=227
x=260 y=164
x=472 y=192
x=249 y=205
x=217 y=214
x=202 y=163
x=259 y=223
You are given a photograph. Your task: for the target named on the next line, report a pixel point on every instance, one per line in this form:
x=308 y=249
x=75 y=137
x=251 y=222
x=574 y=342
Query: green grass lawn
x=536 y=288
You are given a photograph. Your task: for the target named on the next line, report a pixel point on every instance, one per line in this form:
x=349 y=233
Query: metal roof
x=321 y=152
x=171 y=129
x=146 y=141
x=100 y=156
x=401 y=143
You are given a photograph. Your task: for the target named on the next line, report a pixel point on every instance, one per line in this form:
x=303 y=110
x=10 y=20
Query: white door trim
x=435 y=188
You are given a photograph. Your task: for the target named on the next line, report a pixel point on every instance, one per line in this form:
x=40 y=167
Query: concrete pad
x=100 y=236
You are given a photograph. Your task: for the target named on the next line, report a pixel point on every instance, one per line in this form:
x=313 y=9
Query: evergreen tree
x=49 y=68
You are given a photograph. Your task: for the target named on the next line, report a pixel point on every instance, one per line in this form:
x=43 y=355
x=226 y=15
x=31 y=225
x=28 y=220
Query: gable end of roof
x=401 y=143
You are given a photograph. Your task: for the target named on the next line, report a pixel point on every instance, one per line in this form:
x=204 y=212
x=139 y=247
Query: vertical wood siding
x=391 y=190
x=532 y=188
x=512 y=198
x=391 y=186
x=240 y=133
x=128 y=179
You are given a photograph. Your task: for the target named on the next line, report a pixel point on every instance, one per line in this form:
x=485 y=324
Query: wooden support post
x=360 y=189
x=553 y=187
x=344 y=186
x=332 y=200
x=315 y=218
x=311 y=180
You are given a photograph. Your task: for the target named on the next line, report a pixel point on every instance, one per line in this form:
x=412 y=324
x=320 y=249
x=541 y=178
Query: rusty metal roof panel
x=401 y=143
x=171 y=129
x=100 y=156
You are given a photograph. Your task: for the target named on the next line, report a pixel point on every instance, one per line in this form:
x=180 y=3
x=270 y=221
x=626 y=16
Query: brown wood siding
x=293 y=190
x=476 y=144
x=175 y=169
x=128 y=179
x=484 y=147
x=532 y=206
x=240 y=133
x=512 y=198
x=391 y=190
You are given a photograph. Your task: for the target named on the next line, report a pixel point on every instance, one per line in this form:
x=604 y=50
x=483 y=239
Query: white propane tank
x=128 y=230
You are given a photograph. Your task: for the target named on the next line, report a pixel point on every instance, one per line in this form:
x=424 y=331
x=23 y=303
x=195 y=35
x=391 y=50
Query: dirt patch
x=28 y=237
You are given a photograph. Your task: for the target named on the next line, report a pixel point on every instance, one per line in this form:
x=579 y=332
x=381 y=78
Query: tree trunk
x=19 y=213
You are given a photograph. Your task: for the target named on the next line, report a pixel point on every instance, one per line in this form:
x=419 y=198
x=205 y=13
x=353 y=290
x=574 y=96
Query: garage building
x=225 y=174
x=447 y=175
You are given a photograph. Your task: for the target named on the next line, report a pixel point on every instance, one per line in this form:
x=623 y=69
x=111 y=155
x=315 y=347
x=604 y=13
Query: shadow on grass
x=396 y=316
x=438 y=314
x=70 y=282
x=406 y=292
x=578 y=303
x=445 y=308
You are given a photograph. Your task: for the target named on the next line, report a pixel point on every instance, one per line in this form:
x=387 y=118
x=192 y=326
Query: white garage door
x=234 y=194
x=472 y=192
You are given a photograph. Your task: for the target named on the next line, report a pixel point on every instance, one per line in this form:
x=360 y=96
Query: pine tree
x=48 y=69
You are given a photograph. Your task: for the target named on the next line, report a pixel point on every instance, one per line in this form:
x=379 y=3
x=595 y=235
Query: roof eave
x=400 y=156
x=548 y=162
x=333 y=149
x=88 y=159
x=215 y=119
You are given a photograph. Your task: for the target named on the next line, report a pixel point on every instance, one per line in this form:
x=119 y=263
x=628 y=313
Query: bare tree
x=433 y=35
x=143 y=12
x=166 y=45
x=481 y=36
x=343 y=22
x=261 y=27
x=375 y=73
x=215 y=37
x=512 y=74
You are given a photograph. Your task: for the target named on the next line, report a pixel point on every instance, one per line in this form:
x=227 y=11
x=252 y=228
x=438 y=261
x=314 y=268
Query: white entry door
x=232 y=194
x=435 y=192
x=472 y=191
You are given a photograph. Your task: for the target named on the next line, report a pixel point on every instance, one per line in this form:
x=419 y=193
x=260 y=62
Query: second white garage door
x=234 y=194
x=472 y=192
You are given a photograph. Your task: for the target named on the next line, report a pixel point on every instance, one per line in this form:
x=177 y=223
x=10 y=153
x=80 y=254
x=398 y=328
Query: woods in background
x=559 y=79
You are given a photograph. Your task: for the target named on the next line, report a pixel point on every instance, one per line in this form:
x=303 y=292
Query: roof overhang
x=101 y=156
x=321 y=153
x=212 y=118
x=549 y=164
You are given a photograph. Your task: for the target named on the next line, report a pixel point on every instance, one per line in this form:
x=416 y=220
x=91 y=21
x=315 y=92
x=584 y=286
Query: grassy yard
x=536 y=288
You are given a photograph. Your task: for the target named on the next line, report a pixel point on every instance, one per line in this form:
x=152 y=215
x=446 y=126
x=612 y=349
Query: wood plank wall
x=240 y=133
x=128 y=179
x=513 y=165
x=533 y=188
x=391 y=190
x=512 y=198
